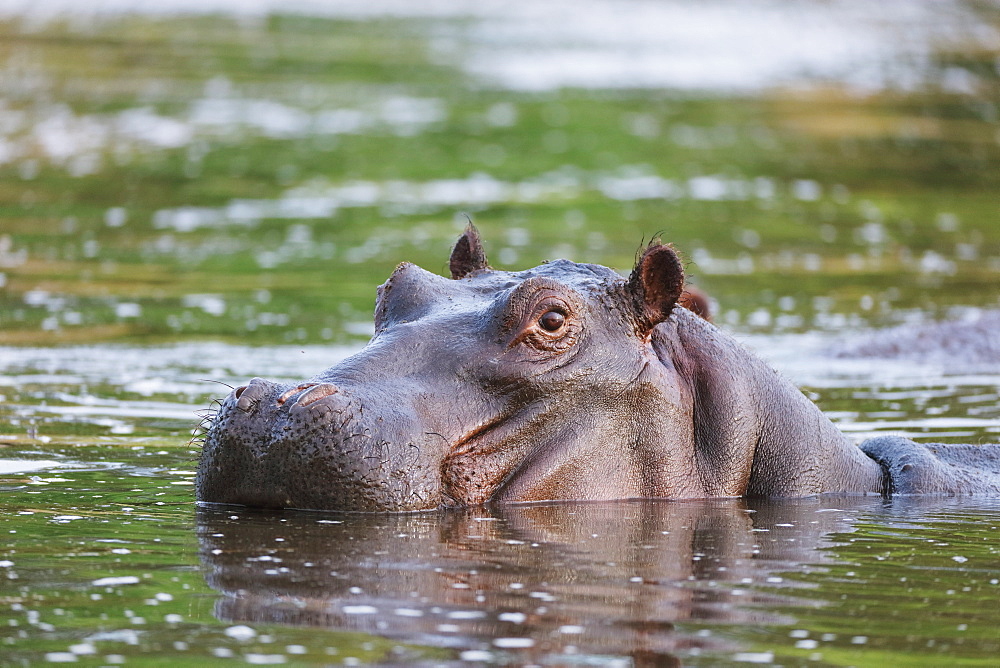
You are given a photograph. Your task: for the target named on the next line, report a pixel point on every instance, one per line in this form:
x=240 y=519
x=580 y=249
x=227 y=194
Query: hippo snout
x=306 y=445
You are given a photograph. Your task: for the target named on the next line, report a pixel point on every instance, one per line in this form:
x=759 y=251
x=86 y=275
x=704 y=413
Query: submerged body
x=565 y=381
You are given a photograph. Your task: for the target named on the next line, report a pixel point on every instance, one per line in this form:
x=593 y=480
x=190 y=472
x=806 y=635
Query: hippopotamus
x=566 y=381
x=970 y=342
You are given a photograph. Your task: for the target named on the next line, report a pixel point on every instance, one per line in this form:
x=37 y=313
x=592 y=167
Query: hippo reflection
x=595 y=579
x=565 y=381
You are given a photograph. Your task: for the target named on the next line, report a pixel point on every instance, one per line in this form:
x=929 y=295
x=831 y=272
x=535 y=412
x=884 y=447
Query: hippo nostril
x=249 y=396
x=316 y=393
x=292 y=392
x=245 y=402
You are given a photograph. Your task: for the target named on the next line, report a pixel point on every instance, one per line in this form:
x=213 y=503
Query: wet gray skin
x=565 y=381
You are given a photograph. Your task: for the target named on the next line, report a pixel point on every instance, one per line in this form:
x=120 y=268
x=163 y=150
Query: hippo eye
x=552 y=321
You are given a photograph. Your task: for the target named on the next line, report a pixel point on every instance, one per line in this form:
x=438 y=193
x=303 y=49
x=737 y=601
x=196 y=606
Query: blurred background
x=249 y=171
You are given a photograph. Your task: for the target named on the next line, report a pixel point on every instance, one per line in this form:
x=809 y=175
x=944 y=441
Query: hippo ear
x=468 y=255
x=655 y=284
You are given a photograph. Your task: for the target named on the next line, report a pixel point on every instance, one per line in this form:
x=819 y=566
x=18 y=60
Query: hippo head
x=488 y=386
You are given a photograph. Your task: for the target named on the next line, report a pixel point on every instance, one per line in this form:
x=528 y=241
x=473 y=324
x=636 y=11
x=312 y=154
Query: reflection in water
x=525 y=583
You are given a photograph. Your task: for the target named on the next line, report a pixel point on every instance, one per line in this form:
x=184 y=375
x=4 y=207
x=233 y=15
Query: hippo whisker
x=207 y=420
x=431 y=433
x=208 y=416
x=219 y=382
x=414 y=446
x=212 y=410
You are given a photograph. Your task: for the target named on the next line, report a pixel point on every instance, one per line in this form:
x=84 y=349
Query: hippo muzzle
x=309 y=446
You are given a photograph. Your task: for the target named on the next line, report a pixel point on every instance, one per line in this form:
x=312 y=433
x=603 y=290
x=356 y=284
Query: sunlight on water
x=81 y=144
x=318 y=200
x=8 y=466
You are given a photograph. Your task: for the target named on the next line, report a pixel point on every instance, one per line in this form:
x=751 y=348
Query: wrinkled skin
x=565 y=381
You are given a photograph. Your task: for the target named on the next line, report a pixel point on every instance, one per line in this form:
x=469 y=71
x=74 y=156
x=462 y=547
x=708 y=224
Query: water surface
x=109 y=562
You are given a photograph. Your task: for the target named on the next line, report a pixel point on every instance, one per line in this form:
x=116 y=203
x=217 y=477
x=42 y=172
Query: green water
x=105 y=561
x=213 y=196
x=253 y=178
